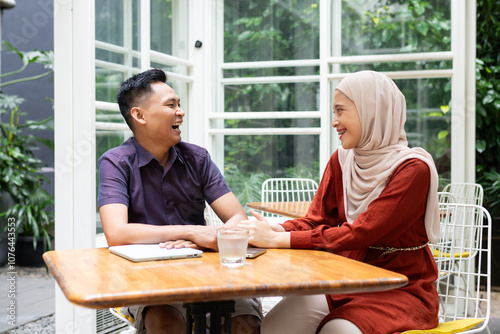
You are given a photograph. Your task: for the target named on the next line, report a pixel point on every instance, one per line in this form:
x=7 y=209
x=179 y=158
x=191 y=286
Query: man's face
x=163 y=115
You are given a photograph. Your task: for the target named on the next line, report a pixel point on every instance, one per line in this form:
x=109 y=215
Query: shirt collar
x=145 y=157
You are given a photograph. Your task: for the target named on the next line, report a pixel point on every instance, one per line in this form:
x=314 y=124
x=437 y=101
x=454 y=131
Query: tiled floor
x=33 y=298
x=494 y=323
x=495 y=304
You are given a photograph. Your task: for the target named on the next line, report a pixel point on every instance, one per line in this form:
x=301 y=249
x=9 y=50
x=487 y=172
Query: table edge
x=99 y=301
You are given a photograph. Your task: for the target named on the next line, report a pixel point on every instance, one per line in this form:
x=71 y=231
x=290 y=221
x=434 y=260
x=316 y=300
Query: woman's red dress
x=394 y=219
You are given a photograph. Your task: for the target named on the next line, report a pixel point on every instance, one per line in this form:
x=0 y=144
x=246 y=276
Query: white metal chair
x=211 y=217
x=466 y=193
x=287 y=190
x=446 y=197
x=464 y=262
x=111 y=321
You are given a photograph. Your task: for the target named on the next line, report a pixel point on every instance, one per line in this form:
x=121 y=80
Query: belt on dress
x=389 y=250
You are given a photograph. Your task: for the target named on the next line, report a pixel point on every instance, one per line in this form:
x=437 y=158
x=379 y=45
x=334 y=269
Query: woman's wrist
x=282 y=240
x=277 y=228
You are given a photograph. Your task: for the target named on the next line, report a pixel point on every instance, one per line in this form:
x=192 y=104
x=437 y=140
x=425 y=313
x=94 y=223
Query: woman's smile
x=346 y=117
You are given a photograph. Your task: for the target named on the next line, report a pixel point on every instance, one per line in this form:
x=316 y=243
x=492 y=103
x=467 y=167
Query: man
x=153 y=188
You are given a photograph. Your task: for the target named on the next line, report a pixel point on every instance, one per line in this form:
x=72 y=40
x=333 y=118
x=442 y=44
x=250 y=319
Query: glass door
x=132 y=36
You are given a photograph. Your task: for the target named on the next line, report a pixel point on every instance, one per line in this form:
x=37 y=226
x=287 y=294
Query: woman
x=376 y=203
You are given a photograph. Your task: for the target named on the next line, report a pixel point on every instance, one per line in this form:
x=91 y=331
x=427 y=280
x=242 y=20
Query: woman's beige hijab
x=382 y=148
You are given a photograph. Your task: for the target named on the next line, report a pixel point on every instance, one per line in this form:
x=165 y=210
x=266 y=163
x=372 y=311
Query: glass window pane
x=393 y=26
x=428 y=123
x=117 y=45
x=161 y=26
x=251 y=159
x=107 y=83
x=271 y=30
x=112 y=22
x=169 y=27
x=272 y=97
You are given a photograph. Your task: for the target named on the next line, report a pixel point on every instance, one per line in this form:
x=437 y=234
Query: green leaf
x=445 y=109
x=442 y=134
x=46 y=142
x=422 y=28
x=435 y=114
x=480 y=146
x=245 y=35
x=490 y=96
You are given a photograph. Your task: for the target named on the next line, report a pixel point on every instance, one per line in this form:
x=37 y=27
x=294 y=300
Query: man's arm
x=229 y=210
x=119 y=231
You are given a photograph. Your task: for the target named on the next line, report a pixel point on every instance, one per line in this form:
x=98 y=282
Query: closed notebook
x=153 y=252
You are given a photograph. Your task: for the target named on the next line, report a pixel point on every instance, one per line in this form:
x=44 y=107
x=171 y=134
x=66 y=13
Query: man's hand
x=179 y=244
x=200 y=237
x=204 y=236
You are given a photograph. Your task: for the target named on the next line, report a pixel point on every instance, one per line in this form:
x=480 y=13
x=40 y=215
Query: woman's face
x=346 y=120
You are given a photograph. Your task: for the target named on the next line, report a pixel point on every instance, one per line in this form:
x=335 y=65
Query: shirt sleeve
x=113 y=181
x=398 y=208
x=215 y=185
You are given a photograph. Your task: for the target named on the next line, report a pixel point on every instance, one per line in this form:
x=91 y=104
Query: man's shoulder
x=187 y=149
x=124 y=151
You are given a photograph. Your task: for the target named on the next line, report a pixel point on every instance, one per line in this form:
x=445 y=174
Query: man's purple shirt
x=176 y=195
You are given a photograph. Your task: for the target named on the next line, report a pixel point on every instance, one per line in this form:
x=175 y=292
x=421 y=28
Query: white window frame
x=462 y=55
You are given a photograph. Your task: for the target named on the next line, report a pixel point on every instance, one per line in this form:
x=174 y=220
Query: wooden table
x=96 y=278
x=287 y=209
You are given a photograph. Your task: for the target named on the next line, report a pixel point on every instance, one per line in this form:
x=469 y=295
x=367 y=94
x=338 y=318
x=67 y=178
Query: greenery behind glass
x=264 y=30
x=395 y=26
x=161 y=26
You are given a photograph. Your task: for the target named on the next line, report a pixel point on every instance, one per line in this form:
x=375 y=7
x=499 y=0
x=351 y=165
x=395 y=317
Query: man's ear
x=138 y=115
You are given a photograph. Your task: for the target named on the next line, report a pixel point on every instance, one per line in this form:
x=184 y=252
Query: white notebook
x=153 y=252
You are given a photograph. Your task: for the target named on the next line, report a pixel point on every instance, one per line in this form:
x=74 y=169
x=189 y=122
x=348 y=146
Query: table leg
x=199 y=318
x=196 y=316
x=221 y=310
x=189 y=319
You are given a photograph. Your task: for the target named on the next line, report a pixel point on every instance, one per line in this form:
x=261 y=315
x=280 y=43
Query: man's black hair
x=135 y=89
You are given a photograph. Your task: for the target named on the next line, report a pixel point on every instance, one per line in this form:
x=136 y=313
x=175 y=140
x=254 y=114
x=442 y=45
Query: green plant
x=488 y=103
x=247 y=188
x=19 y=167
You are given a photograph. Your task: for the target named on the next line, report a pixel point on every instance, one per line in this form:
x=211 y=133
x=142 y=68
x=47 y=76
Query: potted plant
x=30 y=208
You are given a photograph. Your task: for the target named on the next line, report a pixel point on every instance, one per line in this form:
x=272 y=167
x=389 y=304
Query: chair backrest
x=211 y=217
x=287 y=190
x=464 y=262
x=466 y=193
x=446 y=197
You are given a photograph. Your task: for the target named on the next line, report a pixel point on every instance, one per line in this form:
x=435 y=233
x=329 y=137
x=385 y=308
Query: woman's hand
x=262 y=234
